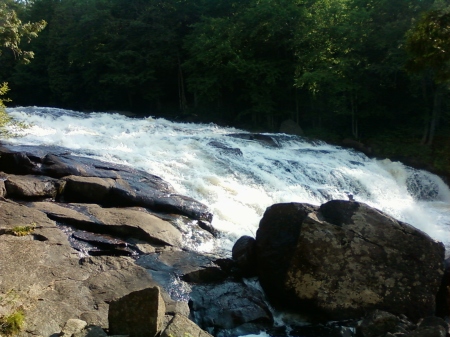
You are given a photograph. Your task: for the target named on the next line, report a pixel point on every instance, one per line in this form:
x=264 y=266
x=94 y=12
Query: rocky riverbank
x=78 y=235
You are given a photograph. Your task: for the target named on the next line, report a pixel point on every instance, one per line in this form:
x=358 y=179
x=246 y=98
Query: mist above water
x=239 y=178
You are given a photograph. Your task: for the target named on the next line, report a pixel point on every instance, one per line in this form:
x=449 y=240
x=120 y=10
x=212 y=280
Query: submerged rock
x=344 y=259
x=231 y=150
x=229 y=309
x=258 y=137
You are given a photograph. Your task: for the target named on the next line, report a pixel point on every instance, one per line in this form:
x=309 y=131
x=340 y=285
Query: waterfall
x=238 y=175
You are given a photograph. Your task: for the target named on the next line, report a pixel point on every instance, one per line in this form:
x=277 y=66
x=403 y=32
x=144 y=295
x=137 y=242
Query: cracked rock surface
x=344 y=258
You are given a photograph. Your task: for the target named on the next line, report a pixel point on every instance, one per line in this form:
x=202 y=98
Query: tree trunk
x=426 y=129
x=436 y=114
x=354 y=118
x=426 y=125
x=181 y=91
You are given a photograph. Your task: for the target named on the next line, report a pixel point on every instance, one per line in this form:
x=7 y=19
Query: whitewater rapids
x=238 y=187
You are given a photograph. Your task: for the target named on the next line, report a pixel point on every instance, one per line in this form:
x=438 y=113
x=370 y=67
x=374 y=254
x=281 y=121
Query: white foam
x=239 y=188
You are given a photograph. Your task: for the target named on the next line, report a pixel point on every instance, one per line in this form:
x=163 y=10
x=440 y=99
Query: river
x=238 y=177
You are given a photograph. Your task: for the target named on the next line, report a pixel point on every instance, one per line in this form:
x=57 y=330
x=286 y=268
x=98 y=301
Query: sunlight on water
x=238 y=185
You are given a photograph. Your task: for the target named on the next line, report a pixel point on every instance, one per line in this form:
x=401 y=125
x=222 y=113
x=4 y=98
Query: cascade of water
x=238 y=175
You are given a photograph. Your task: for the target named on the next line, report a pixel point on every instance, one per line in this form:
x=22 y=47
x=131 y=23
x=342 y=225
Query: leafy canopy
x=12 y=33
x=429 y=44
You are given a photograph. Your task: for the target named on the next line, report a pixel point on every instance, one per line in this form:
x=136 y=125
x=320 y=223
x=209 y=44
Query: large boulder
x=243 y=253
x=443 y=298
x=346 y=258
x=138 y=314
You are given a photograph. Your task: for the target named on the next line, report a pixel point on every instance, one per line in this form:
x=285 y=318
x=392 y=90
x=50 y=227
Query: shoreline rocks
x=93 y=232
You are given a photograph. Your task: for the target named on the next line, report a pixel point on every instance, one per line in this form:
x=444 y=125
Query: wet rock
x=180 y=325
x=422 y=186
x=378 y=323
x=187 y=266
x=312 y=261
x=128 y=222
x=104 y=244
x=291 y=128
x=276 y=240
x=330 y=329
x=226 y=149
x=131 y=187
x=243 y=254
x=138 y=314
x=46 y=276
x=429 y=331
x=102 y=240
x=87 y=189
x=17 y=162
x=31 y=187
x=433 y=321
x=358 y=146
x=122 y=222
x=258 y=137
x=443 y=296
x=222 y=308
x=192 y=266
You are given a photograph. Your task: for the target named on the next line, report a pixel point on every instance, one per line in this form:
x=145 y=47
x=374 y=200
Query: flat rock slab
x=122 y=222
x=52 y=286
x=105 y=183
x=13 y=215
x=43 y=275
x=30 y=186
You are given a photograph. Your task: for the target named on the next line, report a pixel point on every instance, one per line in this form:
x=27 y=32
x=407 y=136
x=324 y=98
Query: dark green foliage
x=13 y=32
x=338 y=67
x=429 y=44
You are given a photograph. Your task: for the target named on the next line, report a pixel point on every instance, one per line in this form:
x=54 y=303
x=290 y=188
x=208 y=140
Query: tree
x=12 y=33
x=428 y=43
x=242 y=60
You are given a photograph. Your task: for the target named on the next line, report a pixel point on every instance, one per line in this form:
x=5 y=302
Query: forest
x=376 y=71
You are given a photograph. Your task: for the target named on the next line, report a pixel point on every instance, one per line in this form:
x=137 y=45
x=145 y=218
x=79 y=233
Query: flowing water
x=203 y=161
